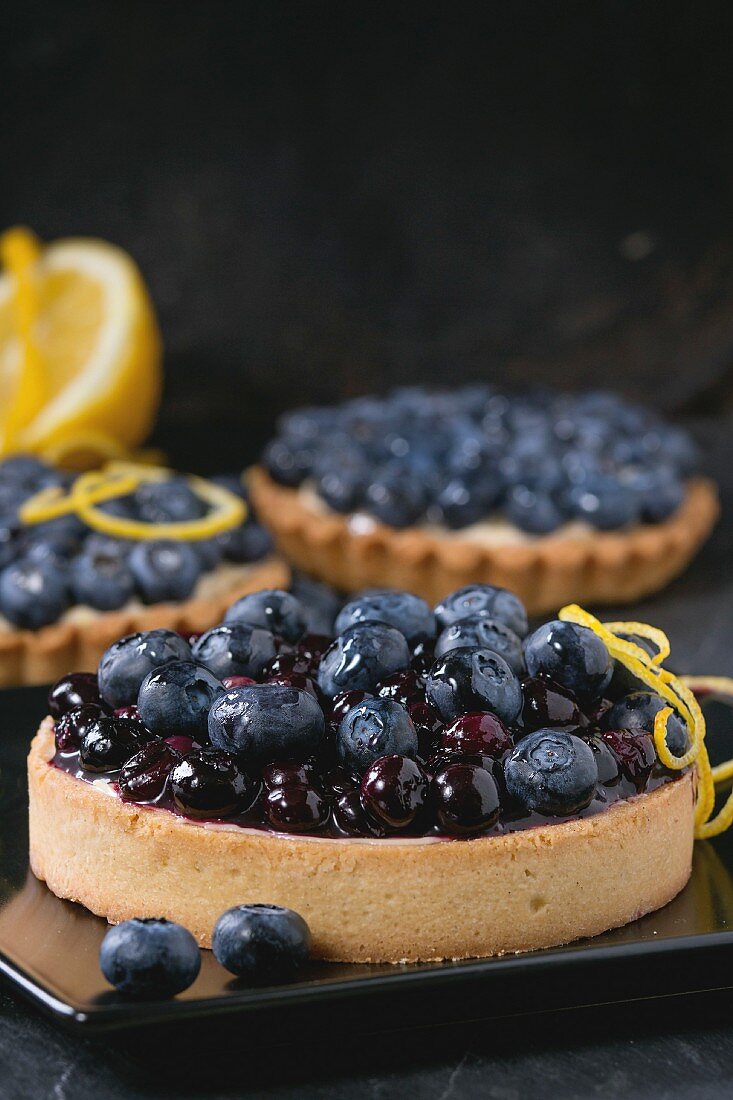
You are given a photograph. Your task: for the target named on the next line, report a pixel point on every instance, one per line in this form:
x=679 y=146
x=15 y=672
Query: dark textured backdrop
x=328 y=197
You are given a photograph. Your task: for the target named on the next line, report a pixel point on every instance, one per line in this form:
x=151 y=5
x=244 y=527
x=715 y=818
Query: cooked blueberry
x=361 y=657
x=267 y=722
x=552 y=773
x=477 y=733
x=635 y=753
x=32 y=594
x=407 y=613
x=466 y=680
x=164 y=570
x=248 y=542
x=405 y=687
x=342 y=703
x=394 y=790
x=465 y=798
x=100 y=579
x=273 y=609
x=149 y=958
x=127 y=662
x=609 y=768
x=339 y=780
x=177 y=698
x=107 y=743
x=374 y=728
x=296 y=808
x=288 y=773
x=73 y=725
x=547 y=704
x=311 y=648
x=236 y=649
x=261 y=942
x=73 y=691
x=143 y=777
x=479 y=631
x=208 y=783
x=295 y=680
x=476 y=599
x=428 y=726
x=638 y=710
x=573 y=656
x=351 y=817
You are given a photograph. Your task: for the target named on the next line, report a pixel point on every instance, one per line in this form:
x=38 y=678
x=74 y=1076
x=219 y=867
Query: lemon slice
x=80 y=352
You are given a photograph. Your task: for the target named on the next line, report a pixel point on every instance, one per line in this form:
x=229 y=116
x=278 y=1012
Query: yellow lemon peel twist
x=678 y=693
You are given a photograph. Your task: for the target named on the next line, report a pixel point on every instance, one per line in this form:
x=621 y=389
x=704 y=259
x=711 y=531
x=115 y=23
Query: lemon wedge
x=80 y=351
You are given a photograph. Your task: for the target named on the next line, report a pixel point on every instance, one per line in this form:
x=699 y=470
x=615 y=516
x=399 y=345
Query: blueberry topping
x=635 y=754
x=177 y=698
x=73 y=691
x=169 y=501
x=638 y=710
x=144 y=776
x=405 y=612
x=351 y=817
x=374 y=728
x=477 y=733
x=288 y=774
x=261 y=942
x=295 y=808
x=361 y=657
x=208 y=783
x=266 y=722
x=126 y=663
x=107 y=743
x=101 y=578
x=73 y=725
x=552 y=773
x=479 y=631
x=342 y=703
x=572 y=656
x=275 y=610
x=545 y=703
x=607 y=762
x=483 y=599
x=405 y=687
x=238 y=649
x=149 y=958
x=33 y=594
x=248 y=542
x=164 y=569
x=466 y=680
x=465 y=798
x=394 y=790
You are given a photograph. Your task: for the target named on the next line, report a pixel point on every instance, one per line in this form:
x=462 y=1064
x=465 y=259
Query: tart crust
x=41 y=656
x=545 y=572
x=365 y=900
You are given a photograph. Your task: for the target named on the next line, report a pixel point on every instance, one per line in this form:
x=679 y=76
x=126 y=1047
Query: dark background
x=327 y=198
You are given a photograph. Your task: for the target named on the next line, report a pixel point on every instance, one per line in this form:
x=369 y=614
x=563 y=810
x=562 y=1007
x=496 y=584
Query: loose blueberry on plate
x=177 y=698
x=144 y=776
x=572 y=656
x=466 y=680
x=479 y=631
x=165 y=570
x=107 y=743
x=261 y=942
x=361 y=657
x=267 y=722
x=476 y=599
x=407 y=613
x=465 y=798
x=149 y=958
x=208 y=783
x=552 y=772
x=394 y=790
x=72 y=691
x=638 y=710
x=127 y=662
x=374 y=728
x=277 y=611
x=238 y=649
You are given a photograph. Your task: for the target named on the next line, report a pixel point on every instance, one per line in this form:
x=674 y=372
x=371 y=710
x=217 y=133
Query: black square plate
x=49 y=948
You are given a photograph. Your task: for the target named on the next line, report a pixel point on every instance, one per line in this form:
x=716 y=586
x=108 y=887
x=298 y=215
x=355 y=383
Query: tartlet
x=439 y=815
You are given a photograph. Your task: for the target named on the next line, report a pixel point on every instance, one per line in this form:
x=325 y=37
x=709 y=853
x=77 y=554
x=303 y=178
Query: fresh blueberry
x=480 y=631
x=144 y=776
x=407 y=613
x=169 y=501
x=394 y=791
x=638 y=710
x=604 y=502
x=321 y=603
x=374 y=728
x=288 y=462
x=74 y=690
x=177 y=698
x=127 y=662
x=209 y=552
x=261 y=942
x=465 y=798
x=232 y=483
x=149 y=958
x=208 y=783
x=101 y=579
x=475 y=599
x=275 y=610
x=164 y=569
x=552 y=772
x=238 y=649
x=24 y=471
x=248 y=542
x=466 y=680
x=396 y=500
x=107 y=743
x=533 y=511
x=266 y=722
x=32 y=594
x=572 y=656
x=361 y=657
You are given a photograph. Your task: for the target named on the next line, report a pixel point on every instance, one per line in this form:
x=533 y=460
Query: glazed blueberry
x=261 y=942
x=288 y=774
x=208 y=783
x=144 y=776
x=164 y=570
x=73 y=691
x=311 y=648
x=374 y=728
x=573 y=656
x=231 y=682
x=361 y=657
x=321 y=602
x=101 y=579
x=177 y=698
x=635 y=753
x=477 y=733
x=267 y=722
x=248 y=542
x=342 y=703
x=73 y=725
x=237 y=649
x=428 y=726
x=638 y=710
x=405 y=687
x=609 y=768
x=477 y=599
x=33 y=594
x=394 y=790
x=405 y=612
x=273 y=609
x=350 y=816
x=339 y=780
x=149 y=958
x=467 y=680
x=107 y=743
x=295 y=808
x=547 y=704
x=481 y=632
x=423 y=657
x=465 y=799
x=552 y=772
x=127 y=662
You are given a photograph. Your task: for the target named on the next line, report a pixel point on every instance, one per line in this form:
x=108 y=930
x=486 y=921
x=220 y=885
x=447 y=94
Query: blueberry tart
x=86 y=559
x=555 y=497
x=410 y=799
